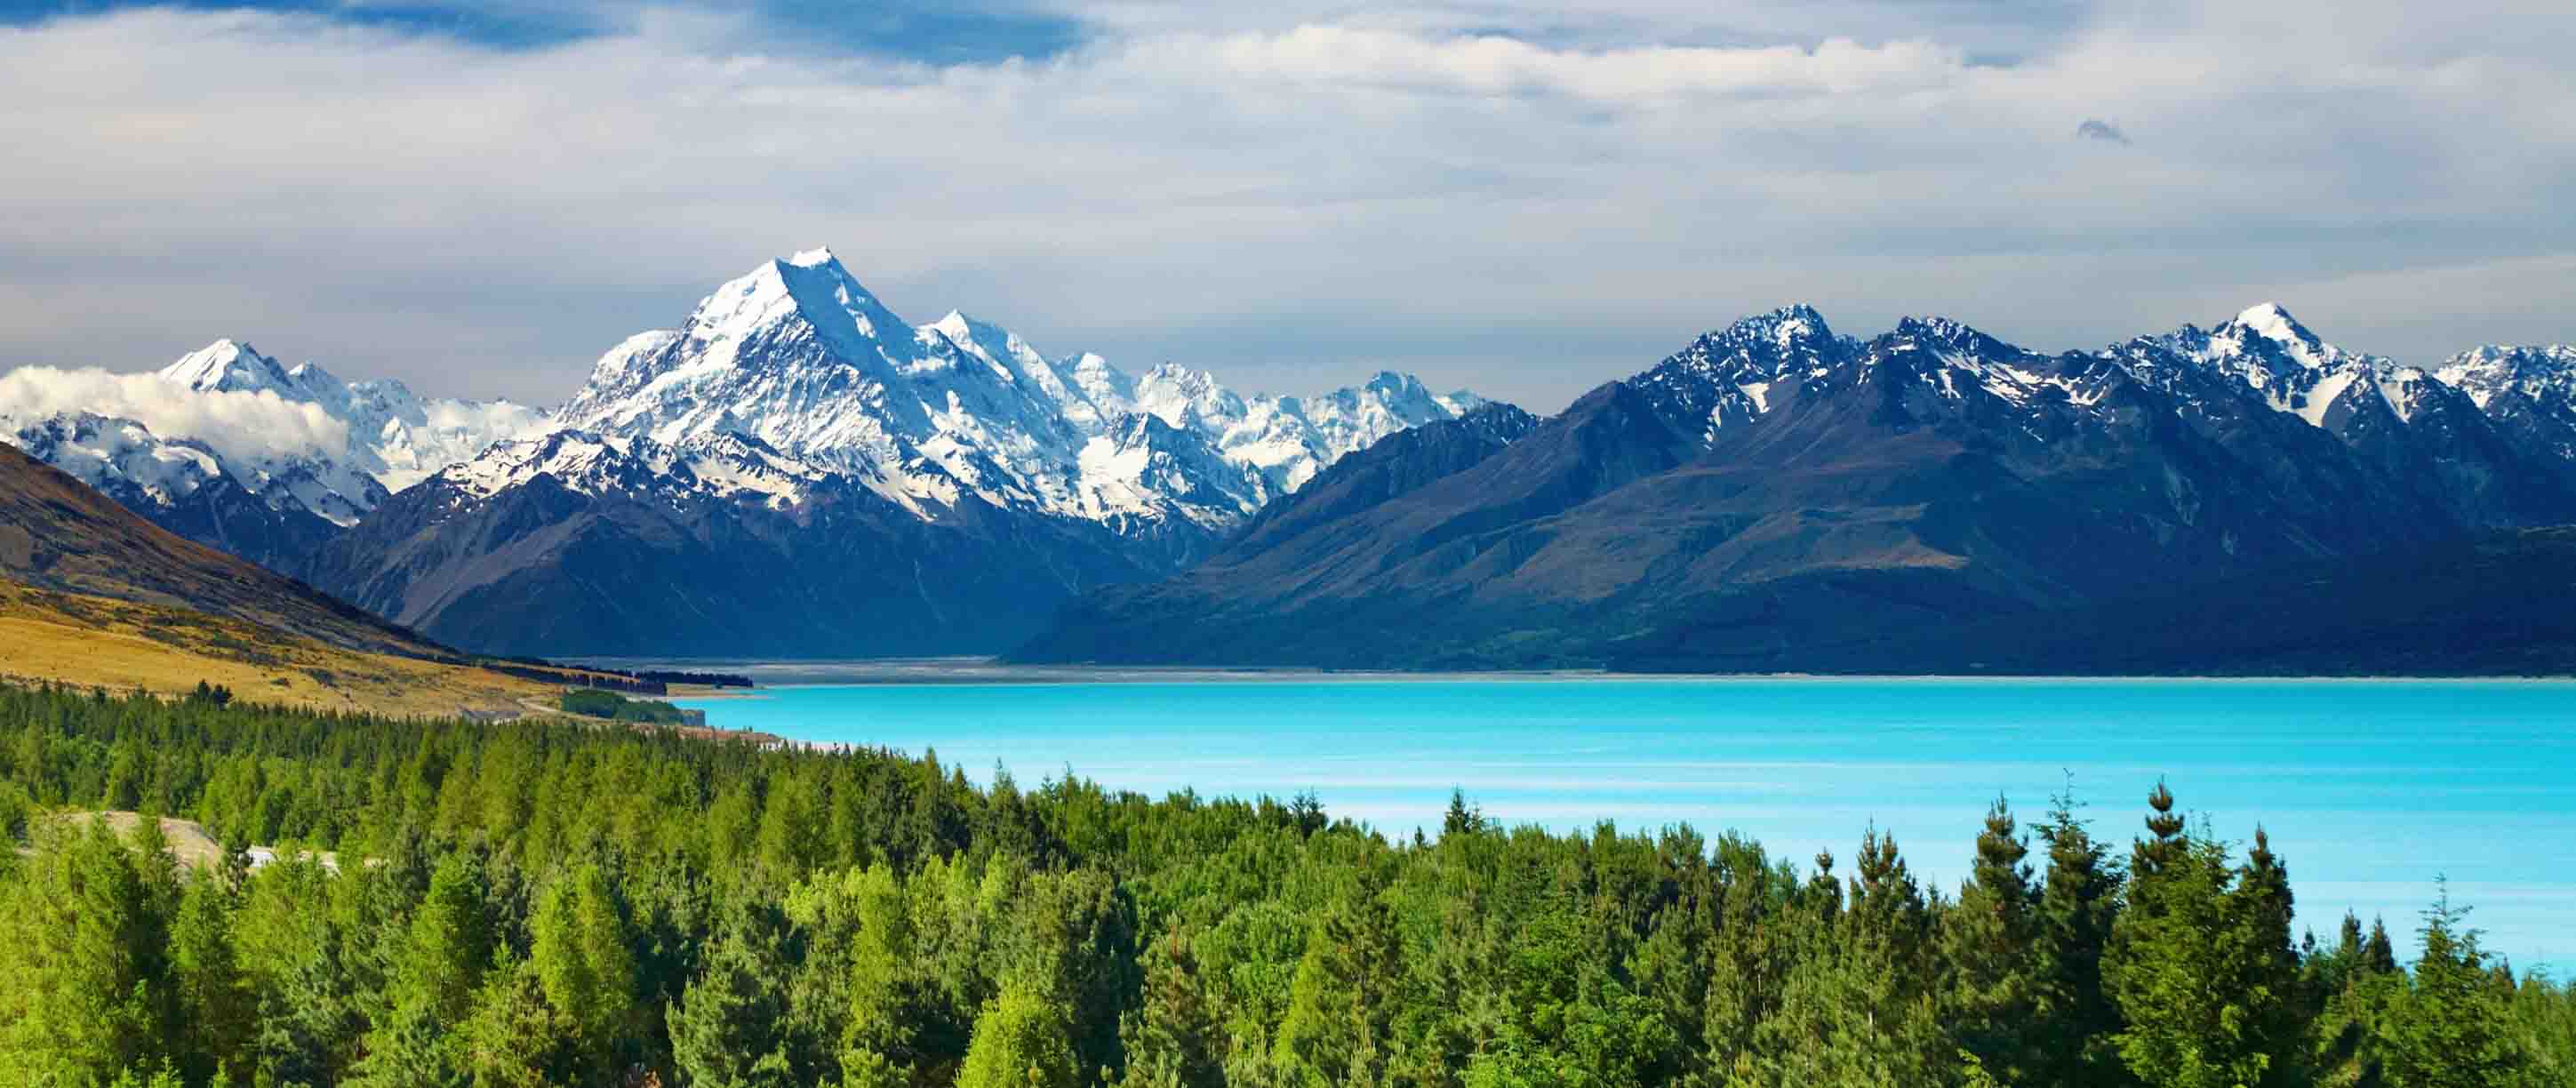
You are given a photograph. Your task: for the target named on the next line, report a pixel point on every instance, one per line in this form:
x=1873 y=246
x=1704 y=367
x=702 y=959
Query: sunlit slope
x=126 y=646
x=56 y=533
x=91 y=594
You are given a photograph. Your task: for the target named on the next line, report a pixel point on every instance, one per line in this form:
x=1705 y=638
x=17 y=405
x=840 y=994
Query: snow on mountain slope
x=102 y=451
x=395 y=437
x=297 y=441
x=2545 y=373
x=1773 y=490
x=2530 y=392
x=1290 y=439
x=2300 y=373
x=1145 y=469
x=1735 y=374
x=1969 y=360
x=801 y=357
x=728 y=466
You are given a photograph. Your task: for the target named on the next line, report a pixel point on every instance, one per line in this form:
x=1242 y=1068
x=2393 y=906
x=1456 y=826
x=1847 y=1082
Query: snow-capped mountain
x=232 y=448
x=1729 y=375
x=826 y=477
x=1775 y=496
x=2545 y=373
x=2455 y=430
x=2530 y=392
x=395 y=437
x=2300 y=373
x=799 y=355
x=796 y=469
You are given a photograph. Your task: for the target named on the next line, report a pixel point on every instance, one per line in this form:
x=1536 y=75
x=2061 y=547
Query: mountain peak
x=1796 y=314
x=1181 y=375
x=1763 y=342
x=1784 y=327
x=813 y=287
x=311 y=373
x=960 y=326
x=956 y=326
x=816 y=267
x=817 y=257
x=2273 y=322
x=229 y=365
x=1949 y=332
x=1393 y=381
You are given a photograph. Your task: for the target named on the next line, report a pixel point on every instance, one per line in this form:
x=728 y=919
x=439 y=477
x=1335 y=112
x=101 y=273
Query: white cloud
x=1489 y=64
x=241 y=427
x=1287 y=194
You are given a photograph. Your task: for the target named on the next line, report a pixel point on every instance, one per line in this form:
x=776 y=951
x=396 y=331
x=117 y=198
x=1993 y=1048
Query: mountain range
x=794 y=471
x=233 y=449
x=95 y=596
x=1777 y=496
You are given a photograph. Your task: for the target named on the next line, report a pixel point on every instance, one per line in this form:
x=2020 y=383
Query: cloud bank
x=241 y=427
x=1289 y=194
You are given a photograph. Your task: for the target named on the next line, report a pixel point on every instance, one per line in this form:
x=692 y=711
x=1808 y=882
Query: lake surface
x=2369 y=789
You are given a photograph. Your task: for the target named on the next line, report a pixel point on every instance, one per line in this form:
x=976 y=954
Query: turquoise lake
x=2369 y=789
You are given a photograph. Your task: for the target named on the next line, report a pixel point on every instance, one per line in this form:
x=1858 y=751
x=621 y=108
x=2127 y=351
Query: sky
x=1524 y=199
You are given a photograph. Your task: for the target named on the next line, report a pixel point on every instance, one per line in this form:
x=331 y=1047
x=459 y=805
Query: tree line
x=527 y=904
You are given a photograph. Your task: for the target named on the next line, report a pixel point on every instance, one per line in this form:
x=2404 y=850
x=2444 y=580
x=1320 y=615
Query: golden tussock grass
x=92 y=641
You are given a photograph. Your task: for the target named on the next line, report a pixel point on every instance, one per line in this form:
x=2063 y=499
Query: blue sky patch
x=917 y=30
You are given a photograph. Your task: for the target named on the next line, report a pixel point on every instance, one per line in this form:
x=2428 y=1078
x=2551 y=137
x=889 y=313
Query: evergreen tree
x=1993 y=1000
x=82 y=945
x=2450 y=1028
x=516 y=1039
x=1173 y=1038
x=432 y=992
x=2072 y=1011
x=1462 y=817
x=306 y=1024
x=792 y=840
x=729 y=1029
x=2189 y=965
x=581 y=958
x=502 y=893
x=1856 y=1005
x=1021 y=1041
x=2268 y=966
x=1334 y=1031
x=1568 y=1023
x=884 y=988
x=2379 y=954
x=216 y=1008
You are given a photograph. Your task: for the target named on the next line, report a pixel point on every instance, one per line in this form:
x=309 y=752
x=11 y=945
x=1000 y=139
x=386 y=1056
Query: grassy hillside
x=97 y=641
x=93 y=595
x=58 y=534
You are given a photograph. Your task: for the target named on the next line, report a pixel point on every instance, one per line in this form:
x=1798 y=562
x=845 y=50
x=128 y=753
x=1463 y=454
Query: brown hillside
x=58 y=534
x=89 y=641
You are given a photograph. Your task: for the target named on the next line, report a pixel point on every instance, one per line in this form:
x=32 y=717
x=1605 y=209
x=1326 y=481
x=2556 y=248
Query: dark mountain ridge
x=625 y=557
x=2499 y=604
x=1775 y=488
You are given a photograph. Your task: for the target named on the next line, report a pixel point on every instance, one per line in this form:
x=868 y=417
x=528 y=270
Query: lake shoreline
x=976 y=671
x=2372 y=786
